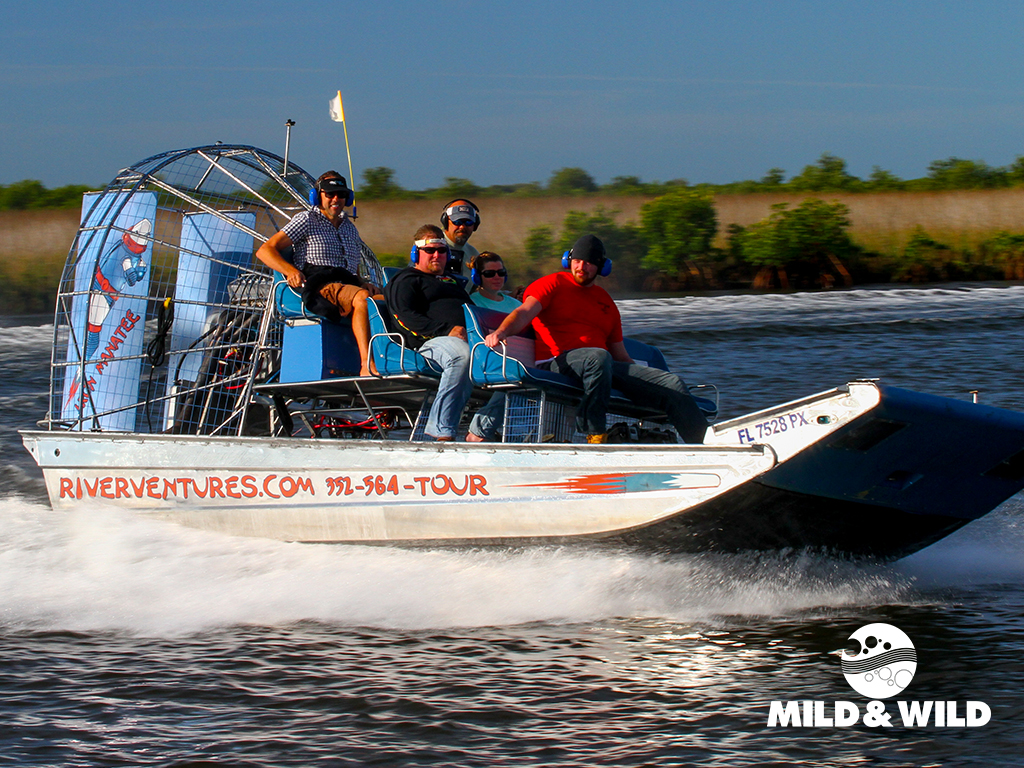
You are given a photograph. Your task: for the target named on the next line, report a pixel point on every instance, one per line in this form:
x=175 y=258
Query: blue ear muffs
x=314 y=197
x=606 y=266
x=477 y=278
x=414 y=255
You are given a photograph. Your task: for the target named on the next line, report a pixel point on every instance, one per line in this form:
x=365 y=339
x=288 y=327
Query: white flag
x=337 y=112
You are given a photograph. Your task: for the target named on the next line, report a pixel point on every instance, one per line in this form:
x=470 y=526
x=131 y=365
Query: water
x=131 y=642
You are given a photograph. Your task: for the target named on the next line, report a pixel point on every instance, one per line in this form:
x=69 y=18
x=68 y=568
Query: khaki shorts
x=341 y=295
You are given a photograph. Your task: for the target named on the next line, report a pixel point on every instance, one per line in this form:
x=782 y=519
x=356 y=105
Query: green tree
x=828 y=174
x=882 y=180
x=571 y=181
x=455 y=187
x=379 y=184
x=677 y=226
x=956 y=173
x=31 y=194
x=625 y=185
x=775 y=177
x=541 y=253
x=808 y=241
x=624 y=244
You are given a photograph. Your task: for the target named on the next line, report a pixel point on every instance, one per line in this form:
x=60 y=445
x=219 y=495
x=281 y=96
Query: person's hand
x=295 y=279
x=459 y=332
x=494 y=339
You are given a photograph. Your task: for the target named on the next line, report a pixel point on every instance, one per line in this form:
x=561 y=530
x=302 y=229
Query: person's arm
x=270 y=254
x=619 y=353
x=514 y=322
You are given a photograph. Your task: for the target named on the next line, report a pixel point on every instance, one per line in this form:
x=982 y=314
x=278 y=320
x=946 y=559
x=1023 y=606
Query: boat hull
x=862 y=470
x=387 y=491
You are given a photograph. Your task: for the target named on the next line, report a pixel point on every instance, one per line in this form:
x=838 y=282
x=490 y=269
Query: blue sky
x=503 y=92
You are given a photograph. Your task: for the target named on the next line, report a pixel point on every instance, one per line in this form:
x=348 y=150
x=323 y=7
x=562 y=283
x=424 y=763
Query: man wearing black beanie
x=579 y=334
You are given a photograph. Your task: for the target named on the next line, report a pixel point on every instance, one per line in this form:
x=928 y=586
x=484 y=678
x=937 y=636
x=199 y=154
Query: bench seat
x=512 y=367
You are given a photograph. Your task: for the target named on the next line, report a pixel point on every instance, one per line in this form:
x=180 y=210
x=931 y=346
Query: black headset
x=476 y=212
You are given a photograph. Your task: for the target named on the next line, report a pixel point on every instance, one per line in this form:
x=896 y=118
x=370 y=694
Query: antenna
x=287 y=143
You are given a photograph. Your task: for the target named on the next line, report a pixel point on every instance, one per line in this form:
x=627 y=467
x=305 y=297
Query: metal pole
x=287 y=143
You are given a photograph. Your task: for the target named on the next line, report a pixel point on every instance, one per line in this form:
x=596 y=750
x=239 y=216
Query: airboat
x=188 y=384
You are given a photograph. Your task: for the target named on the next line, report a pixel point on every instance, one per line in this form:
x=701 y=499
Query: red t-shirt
x=573 y=316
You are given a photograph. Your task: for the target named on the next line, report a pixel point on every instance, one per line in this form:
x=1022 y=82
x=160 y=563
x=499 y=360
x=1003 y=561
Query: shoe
x=596 y=439
x=444 y=439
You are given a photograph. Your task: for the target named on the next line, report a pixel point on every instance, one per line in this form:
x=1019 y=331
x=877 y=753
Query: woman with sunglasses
x=489 y=277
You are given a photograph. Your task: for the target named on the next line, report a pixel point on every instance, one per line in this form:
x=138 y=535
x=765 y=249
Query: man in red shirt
x=579 y=334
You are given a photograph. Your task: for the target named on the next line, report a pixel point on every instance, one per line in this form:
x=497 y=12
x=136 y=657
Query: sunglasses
x=494 y=273
x=431 y=250
x=332 y=194
x=463 y=223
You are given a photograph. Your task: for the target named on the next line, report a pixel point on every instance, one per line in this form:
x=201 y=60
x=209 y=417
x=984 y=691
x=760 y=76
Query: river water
x=132 y=642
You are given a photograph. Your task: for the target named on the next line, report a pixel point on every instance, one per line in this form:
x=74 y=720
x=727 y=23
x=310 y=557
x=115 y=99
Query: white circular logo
x=880 y=661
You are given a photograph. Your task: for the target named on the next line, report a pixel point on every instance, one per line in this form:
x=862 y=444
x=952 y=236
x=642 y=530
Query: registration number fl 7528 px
x=774 y=426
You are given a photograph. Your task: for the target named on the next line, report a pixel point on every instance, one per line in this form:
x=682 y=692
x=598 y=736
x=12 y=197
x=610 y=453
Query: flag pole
x=351 y=178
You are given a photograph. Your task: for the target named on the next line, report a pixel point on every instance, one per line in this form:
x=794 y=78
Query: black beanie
x=589 y=248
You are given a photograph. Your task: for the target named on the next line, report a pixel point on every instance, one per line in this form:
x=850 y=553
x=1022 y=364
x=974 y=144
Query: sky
x=507 y=92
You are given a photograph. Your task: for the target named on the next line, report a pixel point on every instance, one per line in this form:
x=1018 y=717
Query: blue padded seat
x=514 y=366
x=390 y=353
x=312 y=348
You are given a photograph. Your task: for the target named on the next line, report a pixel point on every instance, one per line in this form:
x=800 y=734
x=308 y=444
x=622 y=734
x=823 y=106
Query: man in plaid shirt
x=318 y=253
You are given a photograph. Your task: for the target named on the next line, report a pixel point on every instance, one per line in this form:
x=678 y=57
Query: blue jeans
x=598 y=373
x=489 y=419
x=454 y=389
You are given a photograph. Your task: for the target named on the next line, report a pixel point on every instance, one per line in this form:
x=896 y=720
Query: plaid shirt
x=320 y=243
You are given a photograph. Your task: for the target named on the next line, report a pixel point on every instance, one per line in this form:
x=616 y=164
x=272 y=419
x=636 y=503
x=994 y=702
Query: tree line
x=796 y=247
x=828 y=174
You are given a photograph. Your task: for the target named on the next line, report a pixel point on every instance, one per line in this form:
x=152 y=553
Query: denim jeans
x=487 y=422
x=454 y=389
x=598 y=373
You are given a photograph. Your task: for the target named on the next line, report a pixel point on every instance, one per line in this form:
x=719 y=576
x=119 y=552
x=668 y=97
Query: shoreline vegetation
x=822 y=229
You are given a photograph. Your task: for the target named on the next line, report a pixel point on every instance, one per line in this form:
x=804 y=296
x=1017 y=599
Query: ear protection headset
x=478 y=268
x=470 y=203
x=314 y=196
x=604 y=271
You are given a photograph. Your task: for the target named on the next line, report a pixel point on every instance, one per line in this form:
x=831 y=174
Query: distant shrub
x=32 y=195
x=571 y=181
x=678 y=226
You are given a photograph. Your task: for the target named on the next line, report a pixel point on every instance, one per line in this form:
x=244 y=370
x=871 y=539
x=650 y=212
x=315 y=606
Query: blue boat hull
x=907 y=473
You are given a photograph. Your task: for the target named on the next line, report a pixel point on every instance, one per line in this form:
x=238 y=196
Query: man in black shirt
x=427 y=307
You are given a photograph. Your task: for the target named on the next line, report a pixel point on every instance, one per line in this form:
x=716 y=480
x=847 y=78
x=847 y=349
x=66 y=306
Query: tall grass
x=33 y=248
x=33 y=244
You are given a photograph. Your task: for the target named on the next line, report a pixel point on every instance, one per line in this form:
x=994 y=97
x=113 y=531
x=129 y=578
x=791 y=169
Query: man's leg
x=653 y=386
x=454 y=389
x=488 y=420
x=351 y=302
x=593 y=367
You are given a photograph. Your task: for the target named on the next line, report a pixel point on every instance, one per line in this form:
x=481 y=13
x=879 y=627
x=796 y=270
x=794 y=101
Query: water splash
x=106 y=569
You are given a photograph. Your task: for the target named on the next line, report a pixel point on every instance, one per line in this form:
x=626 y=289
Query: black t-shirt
x=425 y=305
